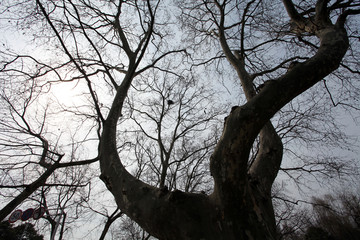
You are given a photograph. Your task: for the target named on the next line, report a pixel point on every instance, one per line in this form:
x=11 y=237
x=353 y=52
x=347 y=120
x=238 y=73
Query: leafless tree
x=332 y=216
x=230 y=158
x=178 y=111
x=338 y=215
x=109 y=48
x=28 y=157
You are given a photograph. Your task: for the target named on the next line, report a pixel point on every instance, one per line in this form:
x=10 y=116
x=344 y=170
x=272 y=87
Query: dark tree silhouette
x=23 y=231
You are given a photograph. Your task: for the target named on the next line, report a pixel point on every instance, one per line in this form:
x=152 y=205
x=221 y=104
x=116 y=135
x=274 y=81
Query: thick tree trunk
x=240 y=206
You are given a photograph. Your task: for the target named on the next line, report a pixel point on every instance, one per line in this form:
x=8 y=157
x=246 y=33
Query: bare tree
x=110 y=47
x=220 y=211
x=28 y=157
x=178 y=111
x=332 y=216
x=338 y=215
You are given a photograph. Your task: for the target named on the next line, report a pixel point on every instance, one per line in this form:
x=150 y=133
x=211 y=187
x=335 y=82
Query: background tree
x=26 y=230
x=332 y=216
x=338 y=215
x=29 y=157
x=172 y=156
x=114 y=54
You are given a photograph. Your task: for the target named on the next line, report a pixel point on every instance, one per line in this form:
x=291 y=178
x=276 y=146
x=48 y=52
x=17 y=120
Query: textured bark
x=240 y=206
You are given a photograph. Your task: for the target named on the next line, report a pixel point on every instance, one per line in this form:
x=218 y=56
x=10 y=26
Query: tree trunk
x=240 y=206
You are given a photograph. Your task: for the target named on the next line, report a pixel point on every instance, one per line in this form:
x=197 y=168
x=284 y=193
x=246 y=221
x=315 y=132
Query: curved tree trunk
x=240 y=206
